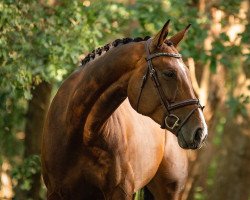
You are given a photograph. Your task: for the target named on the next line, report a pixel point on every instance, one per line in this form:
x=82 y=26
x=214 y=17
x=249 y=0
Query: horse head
x=161 y=89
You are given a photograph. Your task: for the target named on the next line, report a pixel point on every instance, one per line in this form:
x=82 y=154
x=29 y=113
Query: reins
x=178 y=124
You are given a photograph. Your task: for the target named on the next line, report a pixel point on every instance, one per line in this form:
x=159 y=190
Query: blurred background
x=42 y=42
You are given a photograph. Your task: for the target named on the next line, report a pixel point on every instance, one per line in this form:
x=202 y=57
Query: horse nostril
x=198 y=135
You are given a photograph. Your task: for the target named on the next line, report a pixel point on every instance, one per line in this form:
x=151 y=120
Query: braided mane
x=97 y=52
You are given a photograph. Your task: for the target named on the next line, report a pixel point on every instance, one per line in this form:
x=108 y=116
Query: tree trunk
x=233 y=171
x=36 y=113
x=224 y=155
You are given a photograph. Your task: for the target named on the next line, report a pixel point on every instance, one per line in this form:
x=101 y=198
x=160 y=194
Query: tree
x=41 y=44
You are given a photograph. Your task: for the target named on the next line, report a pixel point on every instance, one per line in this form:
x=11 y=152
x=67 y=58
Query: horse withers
x=123 y=121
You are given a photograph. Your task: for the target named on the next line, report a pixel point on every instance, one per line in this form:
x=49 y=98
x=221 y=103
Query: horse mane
x=107 y=47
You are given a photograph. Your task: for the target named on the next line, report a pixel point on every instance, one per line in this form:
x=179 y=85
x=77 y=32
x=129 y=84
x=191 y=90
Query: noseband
x=177 y=123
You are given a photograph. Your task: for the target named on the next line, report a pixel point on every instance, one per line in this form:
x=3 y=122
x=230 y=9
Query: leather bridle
x=177 y=123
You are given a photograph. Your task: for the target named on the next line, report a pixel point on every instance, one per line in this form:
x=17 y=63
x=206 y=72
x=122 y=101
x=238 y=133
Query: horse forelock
x=99 y=51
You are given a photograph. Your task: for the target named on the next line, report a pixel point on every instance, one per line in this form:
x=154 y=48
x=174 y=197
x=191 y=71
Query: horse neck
x=105 y=82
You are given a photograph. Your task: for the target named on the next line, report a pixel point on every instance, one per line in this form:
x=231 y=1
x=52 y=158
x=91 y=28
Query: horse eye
x=169 y=74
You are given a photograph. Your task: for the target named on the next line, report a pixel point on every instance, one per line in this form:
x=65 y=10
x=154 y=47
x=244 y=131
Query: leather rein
x=175 y=126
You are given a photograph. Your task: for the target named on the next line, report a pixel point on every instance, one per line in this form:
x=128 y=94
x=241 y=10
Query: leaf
x=213 y=64
x=27 y=95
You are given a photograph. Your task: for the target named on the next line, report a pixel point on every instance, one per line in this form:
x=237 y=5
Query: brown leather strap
x=144 y=79
x=151 y=56
x=185 y=120
x=154 y=77
x=181 y=104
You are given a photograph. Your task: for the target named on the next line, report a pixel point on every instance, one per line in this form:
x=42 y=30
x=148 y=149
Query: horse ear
x=160 y=37
x=179 y=36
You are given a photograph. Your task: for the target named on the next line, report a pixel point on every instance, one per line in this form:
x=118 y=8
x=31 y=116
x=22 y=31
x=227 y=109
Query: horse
x=122 y=121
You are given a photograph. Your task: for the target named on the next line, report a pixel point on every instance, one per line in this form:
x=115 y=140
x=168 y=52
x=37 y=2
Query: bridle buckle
x=175 y=123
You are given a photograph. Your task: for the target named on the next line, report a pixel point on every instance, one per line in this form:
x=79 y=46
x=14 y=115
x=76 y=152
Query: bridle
x=177 y=123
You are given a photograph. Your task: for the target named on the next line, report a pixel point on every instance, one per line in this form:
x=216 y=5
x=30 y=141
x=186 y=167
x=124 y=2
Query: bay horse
x=123 y=121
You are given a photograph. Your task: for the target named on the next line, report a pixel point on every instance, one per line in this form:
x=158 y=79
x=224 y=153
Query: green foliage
x=139 y=195
x=150 y=15
x=198 y=194
x=42 y=42
x=237 y=105
x=12 y=110
x=219 y=129
x=23 y=174
x=212 y=172
x=229 y=6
